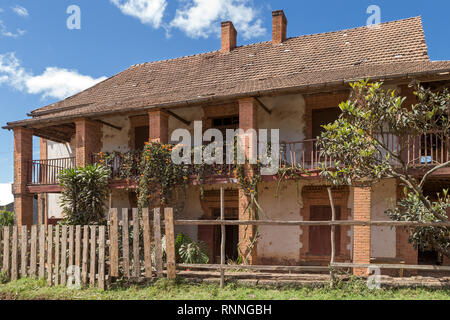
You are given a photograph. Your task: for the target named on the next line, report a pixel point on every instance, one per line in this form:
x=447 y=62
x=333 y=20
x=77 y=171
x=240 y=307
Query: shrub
x=84 y=193
x=6 y=218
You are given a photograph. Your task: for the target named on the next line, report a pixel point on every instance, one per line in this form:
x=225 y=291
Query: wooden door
x=320 y=236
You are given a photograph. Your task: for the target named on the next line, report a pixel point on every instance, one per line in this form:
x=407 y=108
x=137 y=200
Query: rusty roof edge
x=24 y=123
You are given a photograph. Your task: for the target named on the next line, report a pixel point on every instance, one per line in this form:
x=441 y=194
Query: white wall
x=113 y=139
x=383 y=239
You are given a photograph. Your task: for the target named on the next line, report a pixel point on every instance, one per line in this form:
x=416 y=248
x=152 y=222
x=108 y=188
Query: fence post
x=101 y=257
x=125 y=244
x=42 y=233
x=333 y=232
x=170 y=243
x=24 y=251
x=49 y=254
x=147 y=243
x=114 y=243
x=158 y=245
x=14 y=255
x=6 y=252
x=223 y=239
x=136 y=253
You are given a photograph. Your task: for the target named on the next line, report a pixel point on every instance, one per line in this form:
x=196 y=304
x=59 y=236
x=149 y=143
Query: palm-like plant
x=84 y=193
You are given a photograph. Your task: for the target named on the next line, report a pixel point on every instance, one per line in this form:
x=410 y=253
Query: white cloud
x=21 y=11
x=200 y=18
x=53 y=82
x=6 y=196
x=147 y=11
x=4 y=31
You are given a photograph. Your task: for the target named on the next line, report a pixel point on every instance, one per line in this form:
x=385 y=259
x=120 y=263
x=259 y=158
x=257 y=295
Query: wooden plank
x=333 y=235
x=136 y=256
x=71 y=251
x=23 y=251
x=101 y=257
x=170 y=243
x=254 y=267
x=33 y=251
x=114 y=243
x=222 y=237
x=93 y=255
x=158 y=244
x=42 y=235
x=84 y=267
x=78 y=246
x=392 y=266
x=50 y=255
x=57 y=254
x=63 y=255
x=6 y=250
x=15 y=254
x=125 y=244
x=309 y=223
x=147 y=243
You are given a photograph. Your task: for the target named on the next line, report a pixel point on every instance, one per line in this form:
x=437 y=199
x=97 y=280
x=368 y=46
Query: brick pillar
x=42 y=198
x=88 y=140
x=23 y=154
x=362 y=200
x=158 y=126
x=247 y=120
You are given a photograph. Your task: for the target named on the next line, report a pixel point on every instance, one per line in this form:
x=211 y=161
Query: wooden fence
x=133 y=249
x=89 y=255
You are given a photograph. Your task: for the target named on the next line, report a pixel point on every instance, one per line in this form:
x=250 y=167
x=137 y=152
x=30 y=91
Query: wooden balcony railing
x=45 y=172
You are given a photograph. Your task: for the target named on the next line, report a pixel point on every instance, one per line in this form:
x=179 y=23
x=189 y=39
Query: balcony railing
x=426 y=150
x=45 y=172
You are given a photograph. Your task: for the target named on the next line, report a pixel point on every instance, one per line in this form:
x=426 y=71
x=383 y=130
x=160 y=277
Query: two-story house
x=292 y=84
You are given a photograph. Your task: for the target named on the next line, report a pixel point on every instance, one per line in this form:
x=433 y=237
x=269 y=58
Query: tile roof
x=395 y=48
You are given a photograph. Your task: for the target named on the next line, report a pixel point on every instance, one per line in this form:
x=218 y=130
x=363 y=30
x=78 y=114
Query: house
x=294 y=84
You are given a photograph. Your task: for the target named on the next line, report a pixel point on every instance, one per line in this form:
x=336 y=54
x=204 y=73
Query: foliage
x=84 y=193
x=159 y=176
x=188 y=251
x=359 y=143
x=6 y=218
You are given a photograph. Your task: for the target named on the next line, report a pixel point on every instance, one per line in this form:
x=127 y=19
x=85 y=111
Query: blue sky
x=41 y=60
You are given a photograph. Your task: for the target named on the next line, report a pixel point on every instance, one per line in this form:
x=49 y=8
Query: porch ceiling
x=61 y=133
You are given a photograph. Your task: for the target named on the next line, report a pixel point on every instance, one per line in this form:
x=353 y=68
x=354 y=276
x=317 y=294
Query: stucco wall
x=383 y=239
x=113 y=139
x=192 y=210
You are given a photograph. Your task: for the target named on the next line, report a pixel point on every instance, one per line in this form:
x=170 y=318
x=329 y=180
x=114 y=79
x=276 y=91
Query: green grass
x=30 y=289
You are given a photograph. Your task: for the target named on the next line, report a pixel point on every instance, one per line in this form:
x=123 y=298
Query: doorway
x=320 y=236
x=231 y=235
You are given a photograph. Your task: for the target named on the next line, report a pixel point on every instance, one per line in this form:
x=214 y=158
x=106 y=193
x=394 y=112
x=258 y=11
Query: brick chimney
x=229 y=35
x=279 y=27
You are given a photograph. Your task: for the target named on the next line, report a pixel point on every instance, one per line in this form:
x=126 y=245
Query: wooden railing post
x=147 y=243
x=158 y=244
x=114 y=243
x=170 y=243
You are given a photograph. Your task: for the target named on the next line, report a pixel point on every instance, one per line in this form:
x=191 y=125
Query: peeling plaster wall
x=54 y=151
x=383 y=239
x=287 y=115
x=192 y=211
x=113 y=139
x=190 y=114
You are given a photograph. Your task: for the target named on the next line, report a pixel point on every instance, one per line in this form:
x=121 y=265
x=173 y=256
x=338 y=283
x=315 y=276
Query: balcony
x=425 y=151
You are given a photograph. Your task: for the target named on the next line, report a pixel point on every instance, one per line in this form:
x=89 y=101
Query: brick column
x=23 y=154
x=88 y=141
x=362 y=200
x=158 y=126
x=42 y=198
x=247 y=120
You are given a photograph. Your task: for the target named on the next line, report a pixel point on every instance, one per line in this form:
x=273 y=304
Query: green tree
x=359 y=143
x=6 y=218
x=84 y=193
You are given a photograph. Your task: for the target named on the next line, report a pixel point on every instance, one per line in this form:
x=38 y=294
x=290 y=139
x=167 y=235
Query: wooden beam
x=263 y=106
x=109 y=125
x=186 y=122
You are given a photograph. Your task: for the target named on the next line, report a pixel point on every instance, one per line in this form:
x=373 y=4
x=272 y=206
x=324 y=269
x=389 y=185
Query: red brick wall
x=361 y=235
x=247 y=120
x=88 y=140
x=229 y=36
x=158 y=126
x=23 y=154
x=279 y=27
